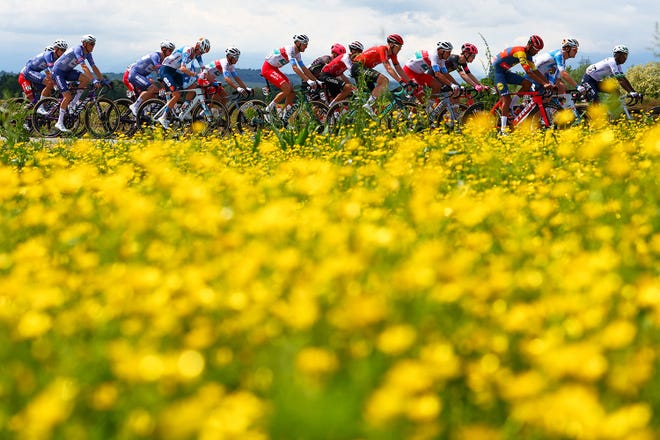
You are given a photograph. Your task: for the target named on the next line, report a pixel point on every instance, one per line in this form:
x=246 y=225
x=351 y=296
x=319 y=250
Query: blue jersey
x=147 y=64
x=182 y=56
x=550 y=63
x=41 y=62
x=71 y=58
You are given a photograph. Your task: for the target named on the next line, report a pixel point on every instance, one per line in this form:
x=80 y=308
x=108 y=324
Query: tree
x=645 y=78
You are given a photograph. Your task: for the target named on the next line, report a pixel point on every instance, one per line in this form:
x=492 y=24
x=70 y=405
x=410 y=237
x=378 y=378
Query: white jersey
x=222 y=68
x=604 y=69
x=426 y=61
x=284 y=55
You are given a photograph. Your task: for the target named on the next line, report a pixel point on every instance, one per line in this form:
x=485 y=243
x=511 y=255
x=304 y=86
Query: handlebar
x=633 y=100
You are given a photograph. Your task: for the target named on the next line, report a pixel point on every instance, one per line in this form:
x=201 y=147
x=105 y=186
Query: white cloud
x=126 y=30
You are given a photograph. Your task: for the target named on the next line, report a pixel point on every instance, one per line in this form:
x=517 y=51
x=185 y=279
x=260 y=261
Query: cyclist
x=64 y=70
x=427 y=68
x=459 y=63
x=37 y=71
x=502 y=65
x=226 y=68
x=363 y=69
x=609 y=67
x=176 y=67
x=138 y=75
x=553 y=64
x=280 y=57
x=332 y=74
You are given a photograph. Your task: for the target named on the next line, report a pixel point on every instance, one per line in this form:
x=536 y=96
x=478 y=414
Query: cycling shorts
x=62 y=79
x=172 y=78
x=333 y=84
x=139 y=82
x=505 y=77
x=273 y=75
x=369 y=75
x=423 y=79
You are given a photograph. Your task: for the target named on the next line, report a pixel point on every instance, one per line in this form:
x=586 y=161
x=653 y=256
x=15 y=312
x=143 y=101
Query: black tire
x=250 y=116
x=405 y=117
x=44 y=117
x=443 y=119
x=101 y=118
x=217 y=123
x=127 y=120
x=536 y=121
x=340 y=117
x=146 y=114
x=309 y=114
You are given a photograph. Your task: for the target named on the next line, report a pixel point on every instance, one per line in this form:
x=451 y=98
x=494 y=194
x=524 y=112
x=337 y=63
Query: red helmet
x=536 y=42
x=469 y=49
x=338 y=49
x=395 y=39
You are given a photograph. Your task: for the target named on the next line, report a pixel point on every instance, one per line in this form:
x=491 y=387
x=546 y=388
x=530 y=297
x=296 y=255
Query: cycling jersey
x=511 y=56
x=318 y=64
x=182 y=56
x=285 y=55
x=376 y=55
x=223 y=68
x=427 y=62
x=604 y=69
x=453 y=63
x=71 y=58
x=41 y=62
x=147 y=64
x=338 y=65
x=550 y=63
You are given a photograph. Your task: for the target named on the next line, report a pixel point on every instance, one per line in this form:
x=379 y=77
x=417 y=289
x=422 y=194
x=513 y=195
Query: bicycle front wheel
x=127 y=120
x=449 y=118
x=404 y=118
x=213 y=122
x=340 y=116
x=148 y=113
x=44 y=117
x=251 y=116
x=101 y=118
x=311 y=114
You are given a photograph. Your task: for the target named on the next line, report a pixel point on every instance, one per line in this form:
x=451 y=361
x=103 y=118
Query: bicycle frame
x=535 y=101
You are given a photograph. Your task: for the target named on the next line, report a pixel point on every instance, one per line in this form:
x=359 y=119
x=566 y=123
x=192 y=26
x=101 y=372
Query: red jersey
x=374 y=56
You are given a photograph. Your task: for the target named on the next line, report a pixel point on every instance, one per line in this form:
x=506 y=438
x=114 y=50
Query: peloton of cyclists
x=338 y=85
x=64 y=71
x=37 y=76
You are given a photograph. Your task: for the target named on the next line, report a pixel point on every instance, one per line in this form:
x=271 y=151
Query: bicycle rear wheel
x=251 y=116
x=101 y=118
x=310 y=114
x=444 y=119
x=127 y=120
x=44 y=117
x=215 y=123
x=404 y=118
x=146 y=114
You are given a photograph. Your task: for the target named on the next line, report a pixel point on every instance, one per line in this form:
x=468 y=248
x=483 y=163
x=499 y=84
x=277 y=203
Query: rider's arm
x=626 y=84
x=568 y=79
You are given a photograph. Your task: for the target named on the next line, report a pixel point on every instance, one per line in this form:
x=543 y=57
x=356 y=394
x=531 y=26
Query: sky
x=127 y=30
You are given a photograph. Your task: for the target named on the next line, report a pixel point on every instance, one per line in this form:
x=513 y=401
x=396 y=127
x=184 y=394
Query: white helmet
x=89 y=38
x=570 y=42
x=233 y=52
x=302 y=38
x=166 y=44
x=49 y=48
x=60 y=44
x=444 y=45
x=356 y=46
x=620 y=48
x=204 y=44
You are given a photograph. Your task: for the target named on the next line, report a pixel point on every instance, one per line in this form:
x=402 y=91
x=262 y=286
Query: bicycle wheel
x=444 y=119
x=44 y=117
x=214 y=123
x=101 y=117
x=127 y=120
x=535 y=121
x=310 y=114
x=251 y=116
x=340 y=116
x=477 y=116
x=146 y=114
x=405 y=117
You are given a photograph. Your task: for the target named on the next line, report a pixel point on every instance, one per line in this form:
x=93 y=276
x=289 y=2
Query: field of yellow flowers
x=421 y=286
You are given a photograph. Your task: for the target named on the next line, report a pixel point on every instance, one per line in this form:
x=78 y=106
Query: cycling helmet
x=356 y=46
x=620 y=48
x=203 y=44
x=570 y=42
x=233 y=52
x=301 y=38
x=338 y=49
x=60 y=44
x=536 y=42
x=165 y=44
x=91 y=39
x=395 y=39
x=470 y=49
x=444 y=45
x=49 y=48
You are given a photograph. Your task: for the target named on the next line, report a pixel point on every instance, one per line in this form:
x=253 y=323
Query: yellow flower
x=395 y=340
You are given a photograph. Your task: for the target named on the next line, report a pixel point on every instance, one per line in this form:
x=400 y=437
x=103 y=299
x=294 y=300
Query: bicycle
x=128 y=121
x=533 y=111
x=447 y=107
x=100 y=116
x=401 y=113
x=205 y=116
